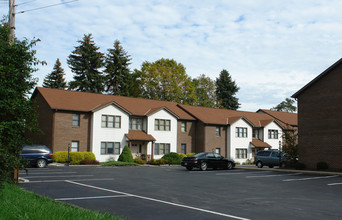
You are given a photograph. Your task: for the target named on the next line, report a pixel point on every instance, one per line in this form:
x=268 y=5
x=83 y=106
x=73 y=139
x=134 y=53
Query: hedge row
x=75 y=157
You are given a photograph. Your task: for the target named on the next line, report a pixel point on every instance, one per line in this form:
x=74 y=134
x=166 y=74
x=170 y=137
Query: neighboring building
x=104 y=124
x=320 y=119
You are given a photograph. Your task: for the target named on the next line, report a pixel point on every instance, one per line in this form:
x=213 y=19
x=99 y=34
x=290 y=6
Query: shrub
x=60 y=157
x=139 y=161
x=126 y=155
x=76 y=157
x=89 y=156
x=322 y=165
x=190 y=154
x=89 y=162
x=182 y=155
x=118 y=163
x=248 y=162
x=299 y=166
x=157 y=162
x=172 y=158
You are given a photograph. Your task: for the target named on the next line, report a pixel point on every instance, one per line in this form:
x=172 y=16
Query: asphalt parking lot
x=172 y=192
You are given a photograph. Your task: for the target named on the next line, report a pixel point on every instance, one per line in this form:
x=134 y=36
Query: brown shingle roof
x=84 y=101
x=259 y=143
x=226 y=116
x=135 y=135
x=285 y=117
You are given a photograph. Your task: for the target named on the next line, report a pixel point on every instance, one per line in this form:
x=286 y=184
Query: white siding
x=240 y=142
x=100 y=134
x=169 y=137
x=273 y=142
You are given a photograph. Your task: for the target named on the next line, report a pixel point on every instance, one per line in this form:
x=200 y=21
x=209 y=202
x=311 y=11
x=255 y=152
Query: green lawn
x=16 y=203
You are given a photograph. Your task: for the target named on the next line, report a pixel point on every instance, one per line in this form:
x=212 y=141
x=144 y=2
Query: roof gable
x=325 y=72
x=284 y=118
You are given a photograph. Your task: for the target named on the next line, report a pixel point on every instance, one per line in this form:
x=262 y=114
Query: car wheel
x=204 y=166
x=189 y=168
x=229 y=165
x=259 y=164
x=41 y=163
x=270 y=166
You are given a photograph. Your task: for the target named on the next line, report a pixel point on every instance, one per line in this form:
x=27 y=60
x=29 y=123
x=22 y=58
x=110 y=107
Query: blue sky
x=270 y=48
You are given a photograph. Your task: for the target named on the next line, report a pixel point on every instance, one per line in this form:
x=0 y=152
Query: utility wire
x=20 y=12
x=25 y=3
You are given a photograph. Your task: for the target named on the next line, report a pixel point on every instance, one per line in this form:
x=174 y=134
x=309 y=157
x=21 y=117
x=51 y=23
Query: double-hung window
x=272 y=134
x=183 y=148
x=183 y=126
x=75 y=120
x=241 y=153
x=110 y=148
x=136 y=124
x=75 y=146
x=161 y=148
x=162 y=125
x=241 y=132
x=110 y=121
x=218 y=132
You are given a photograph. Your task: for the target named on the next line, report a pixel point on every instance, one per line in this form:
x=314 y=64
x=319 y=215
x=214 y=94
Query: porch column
x=152 y=150
x=130 y=144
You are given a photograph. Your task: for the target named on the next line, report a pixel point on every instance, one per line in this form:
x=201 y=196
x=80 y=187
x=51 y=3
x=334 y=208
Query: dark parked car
x=37 y=155
x=207 y=160
x=268 y=158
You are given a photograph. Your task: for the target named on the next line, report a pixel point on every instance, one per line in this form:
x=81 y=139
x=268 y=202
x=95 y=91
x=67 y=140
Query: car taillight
x=194 y=159
x=50 y=155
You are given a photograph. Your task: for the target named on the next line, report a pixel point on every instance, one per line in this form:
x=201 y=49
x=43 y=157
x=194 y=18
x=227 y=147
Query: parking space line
x=160 y=201
x=224 y=174
x=29 y=177
x=55 y=181
x=310 y=178
x=92 y=197
x=46 y=173
x=265 y=176
x=334 y=184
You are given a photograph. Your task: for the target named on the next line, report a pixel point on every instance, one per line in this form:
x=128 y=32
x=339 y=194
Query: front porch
x=139 y=144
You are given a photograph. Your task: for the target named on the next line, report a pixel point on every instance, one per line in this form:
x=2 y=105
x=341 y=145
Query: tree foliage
x=226 y=89
x=165 y=79
x=126 y=155
x=17 y=115
x=85 y=62
x=290 y=148
x=286 y=106
x=118 y=75
x=56 y=78
x=205 y=91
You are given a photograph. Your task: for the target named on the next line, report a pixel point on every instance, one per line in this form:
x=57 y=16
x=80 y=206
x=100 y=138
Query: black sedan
x=207 y=160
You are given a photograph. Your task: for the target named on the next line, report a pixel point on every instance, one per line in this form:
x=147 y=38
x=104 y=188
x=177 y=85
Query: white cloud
x=271 y=48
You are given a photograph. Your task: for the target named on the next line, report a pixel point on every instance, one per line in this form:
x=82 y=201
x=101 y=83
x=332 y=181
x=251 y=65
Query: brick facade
x=320 y=120
x=65 y=133
x=187 y=137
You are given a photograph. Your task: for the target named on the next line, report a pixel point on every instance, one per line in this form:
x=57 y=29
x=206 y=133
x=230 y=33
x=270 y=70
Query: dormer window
x=135 y=123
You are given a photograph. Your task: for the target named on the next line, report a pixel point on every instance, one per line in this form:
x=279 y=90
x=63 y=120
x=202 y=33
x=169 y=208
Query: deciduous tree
x=165 y=79
x=56 y=78
x=85 y=62
x=17 y=115
x=286 y=106
x=205 y=91
x=226 y=90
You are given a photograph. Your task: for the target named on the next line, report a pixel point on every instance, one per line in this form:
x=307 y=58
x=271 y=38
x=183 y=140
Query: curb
x=291 y=171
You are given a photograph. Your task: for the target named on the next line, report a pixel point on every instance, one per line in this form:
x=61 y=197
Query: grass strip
x=17 y=203
x=118 y=163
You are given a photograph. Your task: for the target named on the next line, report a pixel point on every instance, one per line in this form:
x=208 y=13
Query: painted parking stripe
x=310 y=178
x=160 y=201
x=91 y=197
x=334 y=184
x=266 y=176
x=46 y=173
x=55 y=176
x=55 y=181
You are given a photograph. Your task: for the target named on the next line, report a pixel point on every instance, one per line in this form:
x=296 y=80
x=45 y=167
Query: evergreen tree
x=118 y=75
x=17 y=113
x=56 y=78
x=226 y=89
x=85 y=62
